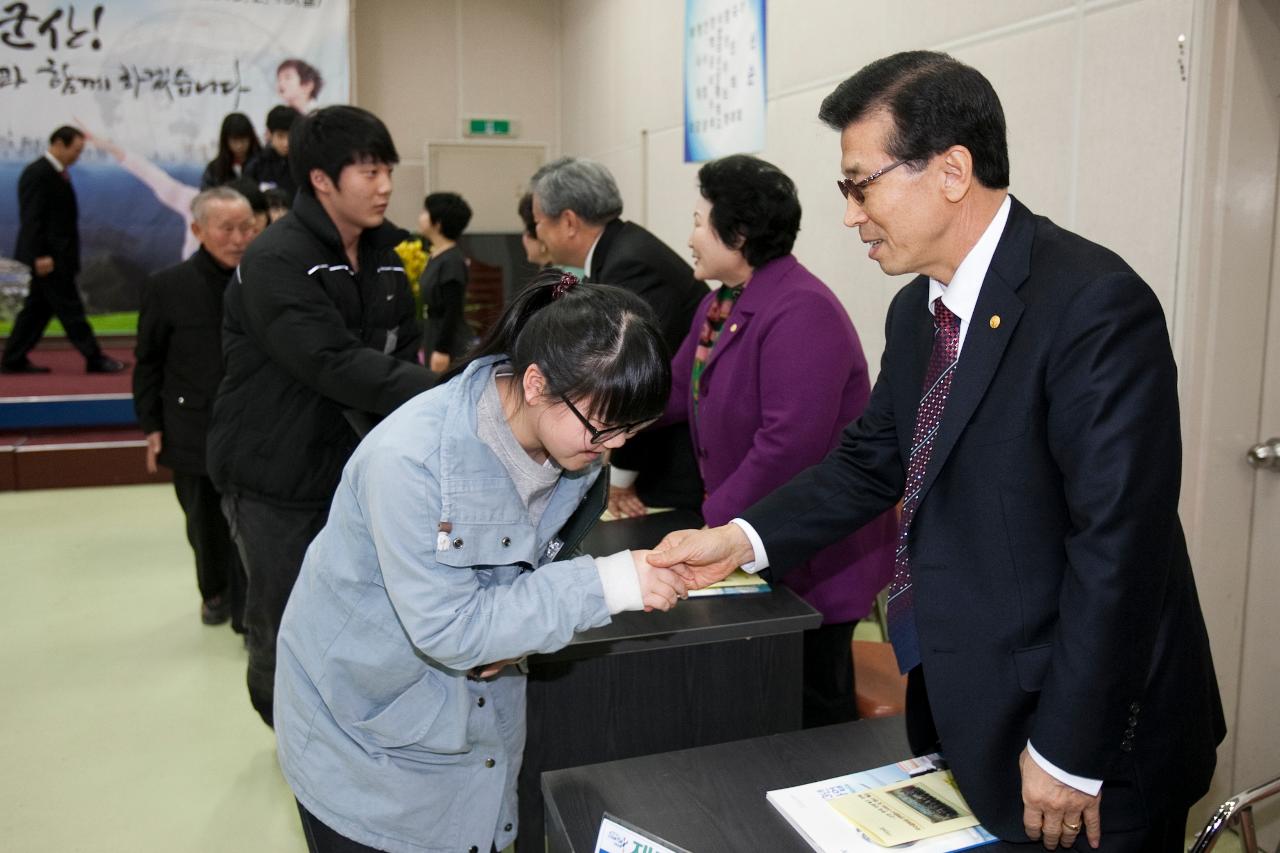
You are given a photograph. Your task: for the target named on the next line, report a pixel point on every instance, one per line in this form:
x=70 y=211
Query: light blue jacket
x=422 y=573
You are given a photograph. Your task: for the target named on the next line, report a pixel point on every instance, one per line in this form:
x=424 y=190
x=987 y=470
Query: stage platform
x=70 y=428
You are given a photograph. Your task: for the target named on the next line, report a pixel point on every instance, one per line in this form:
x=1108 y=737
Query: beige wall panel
x=406 y=192
x=627 y=166
x=490 y=176
x=1039 y=110
x=510 y=60
x=406 y=68
x=1132 y=136
x=673 y=189
x=588 y=69
x=824 y=40
x=809 y=152
x=929 y=23
x=649 y=42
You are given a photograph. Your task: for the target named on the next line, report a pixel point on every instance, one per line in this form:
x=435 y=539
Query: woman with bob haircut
x=399 y=718
x=767 y=378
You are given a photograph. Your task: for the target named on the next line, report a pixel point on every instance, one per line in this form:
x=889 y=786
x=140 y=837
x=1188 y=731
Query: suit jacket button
x=480 y=701
x=1127 y=746
x=489 y=762
x=1133 y=721
x=457 y=543
x=182 y=401
x=506 y=541
x=1134 y=708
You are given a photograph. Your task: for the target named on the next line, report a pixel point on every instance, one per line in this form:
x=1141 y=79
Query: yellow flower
x=414 y=258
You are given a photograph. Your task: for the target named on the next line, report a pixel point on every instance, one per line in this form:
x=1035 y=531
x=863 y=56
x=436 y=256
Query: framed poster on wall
x=724 y=78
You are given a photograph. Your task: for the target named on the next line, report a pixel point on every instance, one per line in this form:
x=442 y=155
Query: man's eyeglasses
x=599 y=435
x=850 y=187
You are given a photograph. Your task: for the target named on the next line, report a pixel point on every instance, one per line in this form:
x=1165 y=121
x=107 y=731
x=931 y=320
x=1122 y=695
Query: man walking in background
x=49 y=243
x=319 y=321
x=179 y=367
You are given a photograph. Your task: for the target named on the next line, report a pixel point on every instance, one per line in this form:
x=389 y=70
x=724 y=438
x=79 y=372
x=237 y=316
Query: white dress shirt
x=960 y=295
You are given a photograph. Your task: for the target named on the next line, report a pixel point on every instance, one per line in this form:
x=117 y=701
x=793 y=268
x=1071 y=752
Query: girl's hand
x=491 y=669
x=623 y=502
x=659 y=588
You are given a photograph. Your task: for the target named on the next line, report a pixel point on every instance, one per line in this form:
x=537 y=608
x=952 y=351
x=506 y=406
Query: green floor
x=124 y=724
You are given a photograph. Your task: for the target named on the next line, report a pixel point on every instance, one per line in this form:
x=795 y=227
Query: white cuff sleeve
x=761 y=561
x=620 y=581
x=1080 y=783
x=621 y=477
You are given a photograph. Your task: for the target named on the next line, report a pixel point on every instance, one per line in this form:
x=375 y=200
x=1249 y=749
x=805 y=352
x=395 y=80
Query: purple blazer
x=786 y=375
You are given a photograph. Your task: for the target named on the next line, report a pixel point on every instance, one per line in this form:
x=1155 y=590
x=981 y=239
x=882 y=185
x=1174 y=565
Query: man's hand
x=1051 y=809
x=703 y=557
x=659 y=588
x=155 y=442
x=43 y=265
x=439 y=362
x=624 y=503
x=489 y=670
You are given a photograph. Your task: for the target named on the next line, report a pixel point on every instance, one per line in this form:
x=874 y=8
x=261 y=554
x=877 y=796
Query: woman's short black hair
x=935 y=102
x=754 y=206
x=525 y=209
x=332 y=139
x=593 y=342
x=450 y=212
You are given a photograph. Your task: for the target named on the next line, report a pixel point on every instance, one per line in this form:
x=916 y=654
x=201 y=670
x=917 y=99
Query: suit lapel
x=984 y=346
x=600 y=257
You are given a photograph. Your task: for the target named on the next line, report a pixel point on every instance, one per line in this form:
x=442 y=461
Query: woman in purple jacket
x=768 y=376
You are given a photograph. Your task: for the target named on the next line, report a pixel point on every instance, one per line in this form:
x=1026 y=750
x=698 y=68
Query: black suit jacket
x=179 y=357
x=47 y=216
x=1054 y=597
x=628 y=256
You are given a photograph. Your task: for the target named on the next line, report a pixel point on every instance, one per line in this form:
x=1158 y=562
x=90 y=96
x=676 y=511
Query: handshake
x=689 y=559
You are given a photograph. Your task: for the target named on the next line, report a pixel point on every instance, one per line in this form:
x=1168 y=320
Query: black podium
x=712 y=799
x=709 y=671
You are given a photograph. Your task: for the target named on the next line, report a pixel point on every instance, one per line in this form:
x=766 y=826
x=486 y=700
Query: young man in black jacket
x=269 y=168
x=179 y=367
x=319 y=320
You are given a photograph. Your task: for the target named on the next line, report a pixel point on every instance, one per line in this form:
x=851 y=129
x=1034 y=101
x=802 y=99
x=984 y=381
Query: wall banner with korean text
x=150 y=81
x=724 y=78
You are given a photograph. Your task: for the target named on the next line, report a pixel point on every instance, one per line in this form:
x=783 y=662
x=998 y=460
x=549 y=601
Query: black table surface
x=713 y=798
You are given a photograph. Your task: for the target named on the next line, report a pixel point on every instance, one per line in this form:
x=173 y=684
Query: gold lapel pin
x=995 y=321
x=734 y=327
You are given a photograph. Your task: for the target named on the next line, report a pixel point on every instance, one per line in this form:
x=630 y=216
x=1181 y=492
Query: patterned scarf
x=720 y=309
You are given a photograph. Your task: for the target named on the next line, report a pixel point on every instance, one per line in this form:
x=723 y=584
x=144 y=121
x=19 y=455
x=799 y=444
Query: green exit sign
x=489 y=127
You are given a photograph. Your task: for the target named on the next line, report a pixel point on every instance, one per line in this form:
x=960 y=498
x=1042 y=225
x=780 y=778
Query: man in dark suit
x=1026 y=414
x=49 y=243
x=577 y=210
x=179 y=367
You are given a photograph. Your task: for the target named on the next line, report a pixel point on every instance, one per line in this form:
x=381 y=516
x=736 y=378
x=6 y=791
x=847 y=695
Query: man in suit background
x=49 y=243
x=578 y=214
x=179 y=367
x=1026 y=414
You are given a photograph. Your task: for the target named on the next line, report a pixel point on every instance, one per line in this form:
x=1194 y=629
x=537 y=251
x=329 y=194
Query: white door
x=1230 y=359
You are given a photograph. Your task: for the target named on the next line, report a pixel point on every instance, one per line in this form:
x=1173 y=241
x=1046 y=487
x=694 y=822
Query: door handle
x=1265 y=455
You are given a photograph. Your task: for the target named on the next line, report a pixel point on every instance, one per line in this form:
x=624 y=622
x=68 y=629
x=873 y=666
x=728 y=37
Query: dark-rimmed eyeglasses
x=850 y=187
x=600 y=435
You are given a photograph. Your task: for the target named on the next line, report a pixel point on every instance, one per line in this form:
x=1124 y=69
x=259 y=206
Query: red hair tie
x=566 y=283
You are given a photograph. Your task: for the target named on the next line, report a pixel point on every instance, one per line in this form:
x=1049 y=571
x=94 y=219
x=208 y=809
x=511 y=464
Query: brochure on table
x=811 y=812
x=618 y=836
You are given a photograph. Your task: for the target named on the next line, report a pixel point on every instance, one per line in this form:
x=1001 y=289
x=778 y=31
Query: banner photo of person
x=170 y=94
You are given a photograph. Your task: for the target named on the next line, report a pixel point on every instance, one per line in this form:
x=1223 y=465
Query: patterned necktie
x=937 y=384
